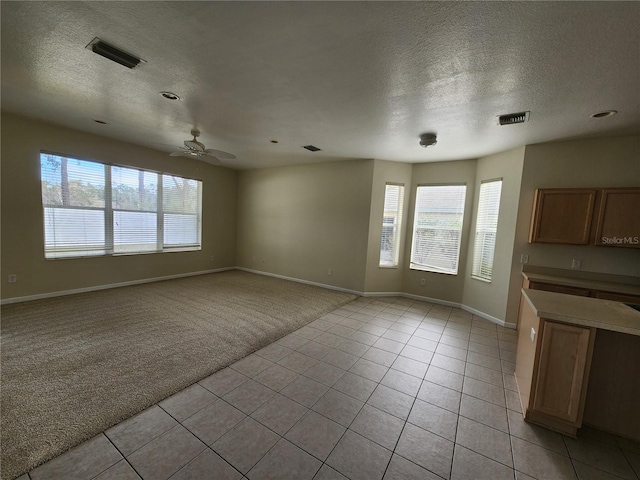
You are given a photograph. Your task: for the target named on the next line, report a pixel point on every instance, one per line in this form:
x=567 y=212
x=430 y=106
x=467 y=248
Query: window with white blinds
x=95 y=209
x=391 y=224
x=437 y=228
x=486 y=228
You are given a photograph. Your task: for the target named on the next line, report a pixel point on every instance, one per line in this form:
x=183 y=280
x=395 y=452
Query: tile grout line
x=123 y=457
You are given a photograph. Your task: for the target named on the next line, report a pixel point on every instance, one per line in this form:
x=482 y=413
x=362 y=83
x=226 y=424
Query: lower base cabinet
x=552 y=370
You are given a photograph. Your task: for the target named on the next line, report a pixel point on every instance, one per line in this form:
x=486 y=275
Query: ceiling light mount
x=169 y=95
x=605 y=113
x=428 y=139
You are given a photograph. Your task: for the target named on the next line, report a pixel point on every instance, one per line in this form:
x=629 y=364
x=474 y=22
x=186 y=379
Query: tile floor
x=381 y=388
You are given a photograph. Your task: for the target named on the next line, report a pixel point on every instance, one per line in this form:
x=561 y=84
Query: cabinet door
x=618 y=222
x=617 y=297
x=565 y=356
x=562 y=215
x=550 y=287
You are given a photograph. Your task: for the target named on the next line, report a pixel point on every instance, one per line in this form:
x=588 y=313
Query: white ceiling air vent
x=114 y=54
x=513 y=118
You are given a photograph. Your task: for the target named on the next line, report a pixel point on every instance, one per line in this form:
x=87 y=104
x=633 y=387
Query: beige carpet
x=74 y=366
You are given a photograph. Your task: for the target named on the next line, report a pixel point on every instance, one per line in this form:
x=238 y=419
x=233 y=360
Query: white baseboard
x=431 y=300
x=438 y=301
x=298 y=280
x=259 y=272
x=488 y=317
x=61 y=293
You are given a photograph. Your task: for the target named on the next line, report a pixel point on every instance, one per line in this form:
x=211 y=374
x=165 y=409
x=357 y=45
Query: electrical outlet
x=576 y=264
x=423 y=282
x=213 y=257
x=264 y=260
x=330 y=272
x=524 y=258
x=13 y=278
x=533 y=335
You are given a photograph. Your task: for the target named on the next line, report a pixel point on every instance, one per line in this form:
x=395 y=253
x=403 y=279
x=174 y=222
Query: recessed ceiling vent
x=114 y=54
x=513 y=118
x=312 y=148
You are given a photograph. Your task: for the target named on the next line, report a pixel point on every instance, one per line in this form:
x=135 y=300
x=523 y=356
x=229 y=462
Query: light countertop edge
x=584 y=311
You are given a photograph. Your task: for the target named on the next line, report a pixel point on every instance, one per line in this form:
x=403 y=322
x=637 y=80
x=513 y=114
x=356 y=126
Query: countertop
x=583 y=283
x=585 y=311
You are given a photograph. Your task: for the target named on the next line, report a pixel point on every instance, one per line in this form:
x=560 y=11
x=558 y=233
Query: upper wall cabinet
x=562 y=215
x=587 y=216
x=618 y=222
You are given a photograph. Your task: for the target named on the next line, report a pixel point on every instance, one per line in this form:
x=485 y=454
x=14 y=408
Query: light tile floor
x=381 y=388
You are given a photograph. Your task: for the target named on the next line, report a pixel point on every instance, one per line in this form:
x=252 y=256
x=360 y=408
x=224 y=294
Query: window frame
x=396 y=225
x=477 y=274
x=108 y=209
x=427 y=268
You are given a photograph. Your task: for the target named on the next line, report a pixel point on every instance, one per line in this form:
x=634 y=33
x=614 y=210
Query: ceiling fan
x=194 y=148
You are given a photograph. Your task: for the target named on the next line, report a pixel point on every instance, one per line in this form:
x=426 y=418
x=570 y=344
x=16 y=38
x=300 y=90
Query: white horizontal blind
x=73 y=199
x=181 y=211
x=486 y=228
x=95 y=209
x=391 y=225
x=135 y=206
x=437 y=228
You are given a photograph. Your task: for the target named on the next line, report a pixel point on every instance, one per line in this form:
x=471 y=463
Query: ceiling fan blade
x=220 y=154
x=177 y=154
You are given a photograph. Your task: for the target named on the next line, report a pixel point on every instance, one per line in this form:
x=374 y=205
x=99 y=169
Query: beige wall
x=491 y=298
x=378 y=279
x=301 y=221
x=438 y=285
x=22 y=221
x=601 y=162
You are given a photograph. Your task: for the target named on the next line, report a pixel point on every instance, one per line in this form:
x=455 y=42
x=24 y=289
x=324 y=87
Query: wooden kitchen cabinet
x=551 y=287
x=560 y=380
x=582 y=291
x=552 y=370
x=618 y=222
x=616 y=297
x=562 y=215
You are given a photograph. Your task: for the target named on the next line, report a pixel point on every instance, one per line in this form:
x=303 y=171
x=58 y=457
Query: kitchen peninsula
x=578 y=361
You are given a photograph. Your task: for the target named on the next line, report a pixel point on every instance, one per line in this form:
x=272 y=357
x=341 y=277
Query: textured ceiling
x=357 y=79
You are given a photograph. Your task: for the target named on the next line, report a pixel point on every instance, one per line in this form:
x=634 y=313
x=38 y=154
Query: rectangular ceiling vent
x=513 y=118
x=114 y=54
x=311 y=148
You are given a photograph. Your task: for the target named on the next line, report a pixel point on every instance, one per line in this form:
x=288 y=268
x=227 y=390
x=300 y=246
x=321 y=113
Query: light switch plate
x=533 y=335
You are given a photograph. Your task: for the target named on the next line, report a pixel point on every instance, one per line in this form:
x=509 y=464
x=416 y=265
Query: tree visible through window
x=391 y=225
x=95 y=209
x=437 y=228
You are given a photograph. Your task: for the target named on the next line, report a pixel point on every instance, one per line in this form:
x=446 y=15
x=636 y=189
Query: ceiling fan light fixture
x=194 y=148
x=428 y=140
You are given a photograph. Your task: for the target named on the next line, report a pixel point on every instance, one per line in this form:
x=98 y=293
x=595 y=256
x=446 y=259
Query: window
x=95 y=209
x=437 y=228
x=391 y=223
x=486 y=228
